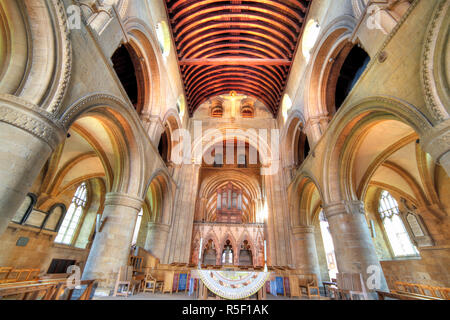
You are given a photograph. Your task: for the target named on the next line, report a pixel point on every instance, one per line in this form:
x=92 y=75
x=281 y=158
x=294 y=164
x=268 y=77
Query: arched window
x=73 y=216
x=398 y=236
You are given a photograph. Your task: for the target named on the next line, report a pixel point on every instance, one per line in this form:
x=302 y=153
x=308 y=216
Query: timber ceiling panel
x=235 y=45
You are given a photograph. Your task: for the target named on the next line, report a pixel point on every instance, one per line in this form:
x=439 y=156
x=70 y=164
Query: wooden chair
x=310 y=283
x=125 y=283
x=153 y=282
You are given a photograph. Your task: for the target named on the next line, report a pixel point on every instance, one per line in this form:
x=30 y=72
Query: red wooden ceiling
x=245 y=46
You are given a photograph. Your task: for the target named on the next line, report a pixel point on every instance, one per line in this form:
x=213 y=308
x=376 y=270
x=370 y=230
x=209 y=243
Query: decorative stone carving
x=344 y=207
x=24 y=115
x=437 y=143
x=66 y=57
x=434 y=76
x=119 y=199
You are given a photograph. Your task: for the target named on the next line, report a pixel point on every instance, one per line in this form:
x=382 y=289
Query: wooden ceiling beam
x=235 y=61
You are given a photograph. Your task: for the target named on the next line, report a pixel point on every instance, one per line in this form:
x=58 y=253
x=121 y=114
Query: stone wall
x=39 y=251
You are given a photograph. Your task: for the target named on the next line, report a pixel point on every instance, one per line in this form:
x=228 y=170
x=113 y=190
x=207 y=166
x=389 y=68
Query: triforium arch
x=324 y=69
x=139 y=38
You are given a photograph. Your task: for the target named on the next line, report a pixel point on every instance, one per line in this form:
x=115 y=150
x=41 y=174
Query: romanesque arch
x=336 y=179
x=323 y=73
x=40 y=73
x=141 y=40
x=124 y=126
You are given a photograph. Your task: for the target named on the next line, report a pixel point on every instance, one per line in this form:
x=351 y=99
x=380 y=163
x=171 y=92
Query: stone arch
x=435 y=76
x=295 y=122
x=332 y=41
x=210 y=138
x=140 y=38
x=246 y=236
x=358 y=7
x=39 y=73
x=212 y=236
x=250 y=186
x=126 y=131
x=299 y=197
x=336 y=175
x=171 y=123
x=228 y=236
x=164 y=185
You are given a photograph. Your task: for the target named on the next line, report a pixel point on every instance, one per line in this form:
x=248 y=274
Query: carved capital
x=125 y=200
x=344 y=207
x=302 y=230
x=159 y=227
x=29 y=117
x=437 y=143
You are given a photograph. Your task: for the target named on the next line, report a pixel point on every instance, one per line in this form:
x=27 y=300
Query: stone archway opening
x=346 y=69
x=128 y=66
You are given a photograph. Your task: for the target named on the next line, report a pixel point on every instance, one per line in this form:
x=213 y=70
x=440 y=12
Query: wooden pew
x=11 y=275
x=422 y=289
x=403 y=296
x=46 y=290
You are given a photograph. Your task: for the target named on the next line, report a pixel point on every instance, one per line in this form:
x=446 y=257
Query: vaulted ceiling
x=236 y=45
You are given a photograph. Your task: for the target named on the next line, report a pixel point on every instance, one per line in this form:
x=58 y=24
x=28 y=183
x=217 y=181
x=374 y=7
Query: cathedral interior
x=144 y=142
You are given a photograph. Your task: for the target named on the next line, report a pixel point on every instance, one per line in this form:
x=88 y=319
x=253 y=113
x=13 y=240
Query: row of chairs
x=129 y=282
x=48 y=289
x=422 y=289
x=11 y=275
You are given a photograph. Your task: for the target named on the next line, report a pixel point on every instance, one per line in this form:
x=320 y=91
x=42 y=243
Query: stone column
x=27 y=138
x=111 y=247
x=305 y=251
x=354 y=248
x=437 y=143
x=180 y=238
x=156 y=242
